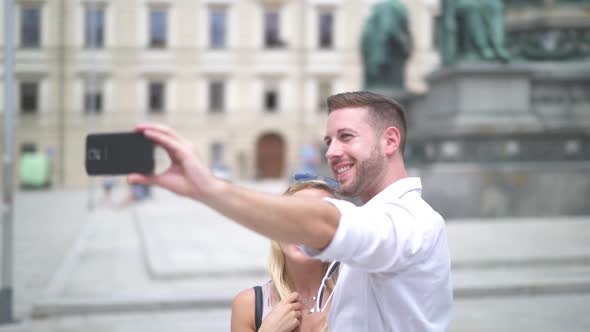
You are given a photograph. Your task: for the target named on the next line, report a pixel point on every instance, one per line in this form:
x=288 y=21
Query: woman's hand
x=285 y=316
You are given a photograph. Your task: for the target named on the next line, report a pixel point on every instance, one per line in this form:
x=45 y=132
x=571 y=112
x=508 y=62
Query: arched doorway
x=270 y=156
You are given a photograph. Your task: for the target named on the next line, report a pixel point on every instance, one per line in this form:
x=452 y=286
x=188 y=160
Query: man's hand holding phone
x=187 y=174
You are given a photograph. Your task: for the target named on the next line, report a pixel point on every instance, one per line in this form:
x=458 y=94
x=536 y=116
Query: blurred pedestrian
x=310 y=158
x=395 y=267
x=137 y=192
x=108 y=184
x=288 y=300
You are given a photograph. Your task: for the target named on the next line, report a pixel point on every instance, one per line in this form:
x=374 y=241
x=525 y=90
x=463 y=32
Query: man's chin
x=345 y=192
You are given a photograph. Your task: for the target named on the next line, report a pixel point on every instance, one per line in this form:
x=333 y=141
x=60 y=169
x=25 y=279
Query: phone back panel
x=119 y=153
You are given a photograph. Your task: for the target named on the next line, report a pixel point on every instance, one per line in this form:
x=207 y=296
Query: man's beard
x=366 y=173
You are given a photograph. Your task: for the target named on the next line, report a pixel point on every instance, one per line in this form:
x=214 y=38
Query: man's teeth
x=343 y=169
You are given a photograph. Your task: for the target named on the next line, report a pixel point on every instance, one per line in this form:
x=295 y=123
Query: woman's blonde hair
x=277 y=258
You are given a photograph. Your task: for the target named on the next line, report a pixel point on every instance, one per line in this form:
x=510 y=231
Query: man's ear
x=392 y=139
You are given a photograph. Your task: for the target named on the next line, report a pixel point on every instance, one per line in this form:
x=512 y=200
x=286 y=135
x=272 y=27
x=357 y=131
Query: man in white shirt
x=395 y=262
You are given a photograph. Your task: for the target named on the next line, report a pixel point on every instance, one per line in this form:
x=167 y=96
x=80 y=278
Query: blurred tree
x=34 y=170
x=559 y=31
x=573 y=2
x=550 y=44
x=544 y=3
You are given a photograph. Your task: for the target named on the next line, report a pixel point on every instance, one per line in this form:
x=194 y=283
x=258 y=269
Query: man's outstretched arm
x=291 y=219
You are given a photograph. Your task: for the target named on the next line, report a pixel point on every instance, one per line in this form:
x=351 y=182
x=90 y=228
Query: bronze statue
x=540 y=41
x=385 y=45
x=473 y=30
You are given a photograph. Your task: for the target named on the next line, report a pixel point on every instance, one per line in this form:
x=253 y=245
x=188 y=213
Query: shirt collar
x=398 y=189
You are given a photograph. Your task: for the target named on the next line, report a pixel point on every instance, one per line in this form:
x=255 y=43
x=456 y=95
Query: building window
x=217 y=28
x=158 y=28
x=30 y=27
x=272 y=37
x=29 y=97
x=326 y=30
x=28 y=147
x=324 y=91
x=94 y=27
x=93 y=96
x=156 y=97
x=216 y=96
x=271 y=97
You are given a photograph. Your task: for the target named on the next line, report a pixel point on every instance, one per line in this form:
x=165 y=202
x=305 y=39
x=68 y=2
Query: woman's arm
x=285 y=316
x=242 y=312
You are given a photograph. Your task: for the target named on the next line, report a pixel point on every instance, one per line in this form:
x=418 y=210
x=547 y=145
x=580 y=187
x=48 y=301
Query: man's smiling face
x=354 y=152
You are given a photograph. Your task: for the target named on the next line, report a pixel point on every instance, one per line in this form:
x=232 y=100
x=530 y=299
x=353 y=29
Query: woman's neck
x=306 y=278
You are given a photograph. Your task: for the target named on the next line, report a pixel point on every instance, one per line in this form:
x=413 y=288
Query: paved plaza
x=172 y=264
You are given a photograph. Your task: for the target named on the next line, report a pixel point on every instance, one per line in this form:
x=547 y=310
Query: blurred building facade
x=245 y=80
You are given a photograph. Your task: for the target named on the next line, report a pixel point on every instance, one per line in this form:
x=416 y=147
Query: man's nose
x=334 y=151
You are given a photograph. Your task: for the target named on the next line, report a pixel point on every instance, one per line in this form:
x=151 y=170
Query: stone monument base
x=503 y=140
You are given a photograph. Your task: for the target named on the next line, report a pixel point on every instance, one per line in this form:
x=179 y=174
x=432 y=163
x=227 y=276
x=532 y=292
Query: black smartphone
x=119 y=153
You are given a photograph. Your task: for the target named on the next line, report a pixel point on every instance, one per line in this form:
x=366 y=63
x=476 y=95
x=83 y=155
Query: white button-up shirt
x=395 y=272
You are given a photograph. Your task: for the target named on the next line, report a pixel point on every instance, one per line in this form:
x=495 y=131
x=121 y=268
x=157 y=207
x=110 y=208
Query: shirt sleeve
x=384 y=238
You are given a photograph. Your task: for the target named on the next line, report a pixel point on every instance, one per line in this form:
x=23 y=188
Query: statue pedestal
x=493 y=140
x=469 y=98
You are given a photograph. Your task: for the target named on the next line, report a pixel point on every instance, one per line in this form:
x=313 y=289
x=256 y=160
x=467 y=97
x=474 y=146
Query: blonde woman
x=289 y=299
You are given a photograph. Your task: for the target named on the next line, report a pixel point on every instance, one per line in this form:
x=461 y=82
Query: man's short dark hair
x=384 y=112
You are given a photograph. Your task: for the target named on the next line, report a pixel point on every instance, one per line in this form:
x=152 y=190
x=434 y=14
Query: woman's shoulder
x=247 y=296
x=242 y=311
x=244 y=298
